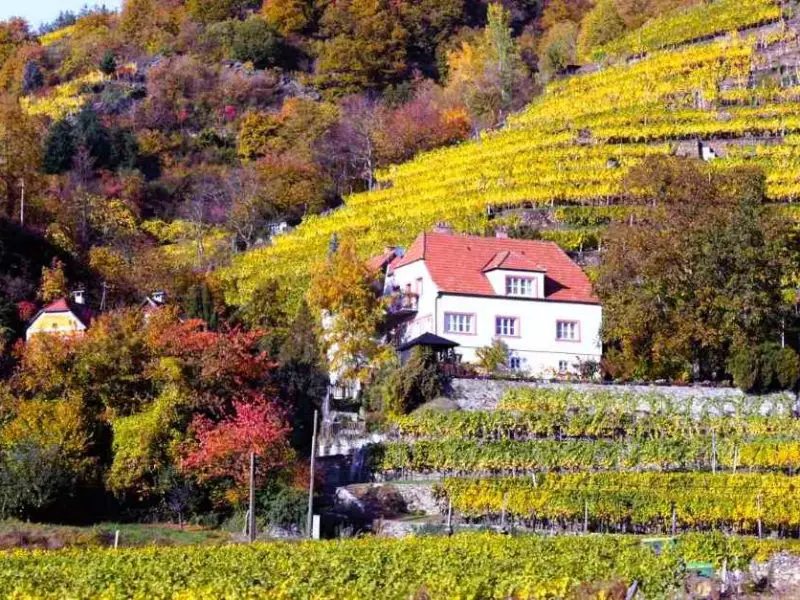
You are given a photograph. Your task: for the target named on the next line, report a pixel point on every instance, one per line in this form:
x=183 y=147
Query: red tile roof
x=458 y=264
x=379 y=262
x=83 y=312
x=514 y=261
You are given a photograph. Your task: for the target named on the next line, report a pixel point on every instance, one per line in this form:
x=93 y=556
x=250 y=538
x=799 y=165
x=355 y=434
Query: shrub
x=787 y=368
x=494 y=357
x=32 y=78
x=406 y=387
x=256 y=41
x=108 y=64
x=764 y=368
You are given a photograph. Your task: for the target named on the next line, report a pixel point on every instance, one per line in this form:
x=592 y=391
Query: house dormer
x=515 y=274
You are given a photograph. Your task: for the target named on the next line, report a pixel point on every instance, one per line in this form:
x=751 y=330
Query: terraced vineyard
x=572 y=147
x=462 y=566
x=628 y=462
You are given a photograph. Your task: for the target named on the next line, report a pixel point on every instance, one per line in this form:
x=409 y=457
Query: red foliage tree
x=220 y=450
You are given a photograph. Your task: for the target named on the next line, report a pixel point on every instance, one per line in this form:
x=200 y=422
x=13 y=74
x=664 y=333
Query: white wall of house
x=415 y=277
x=535 y=342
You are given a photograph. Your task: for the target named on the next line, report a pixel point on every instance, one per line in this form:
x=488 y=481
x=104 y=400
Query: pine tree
x=108 y=64
x=59 y=148
x=94 y=136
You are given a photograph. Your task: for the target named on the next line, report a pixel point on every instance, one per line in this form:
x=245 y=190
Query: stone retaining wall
x=484 y=394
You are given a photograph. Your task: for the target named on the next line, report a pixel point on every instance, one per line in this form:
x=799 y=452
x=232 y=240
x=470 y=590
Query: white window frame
x=505 y=326
x=523 y=287
x=460 y=323
x=568 y=330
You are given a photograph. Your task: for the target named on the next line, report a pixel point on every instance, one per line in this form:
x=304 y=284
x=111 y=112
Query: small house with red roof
x=63 y=317
x=471 y=290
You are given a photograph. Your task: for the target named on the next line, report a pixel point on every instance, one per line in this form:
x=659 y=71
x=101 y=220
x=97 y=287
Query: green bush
x=399 y=389
x=255 y=41
x=764 y=368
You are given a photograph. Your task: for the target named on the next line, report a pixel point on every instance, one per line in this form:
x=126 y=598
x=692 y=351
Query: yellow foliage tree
x=54 y=282
x=343 y=292
x=288 y=16
x=600 y=25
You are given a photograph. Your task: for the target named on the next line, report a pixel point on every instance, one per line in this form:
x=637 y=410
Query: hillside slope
x=573 y=146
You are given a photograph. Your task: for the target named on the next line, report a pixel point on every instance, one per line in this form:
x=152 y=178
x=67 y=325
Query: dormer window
x=520 y=286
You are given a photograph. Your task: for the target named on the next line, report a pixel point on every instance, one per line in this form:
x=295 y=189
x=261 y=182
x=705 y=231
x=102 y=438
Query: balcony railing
x=403 y=302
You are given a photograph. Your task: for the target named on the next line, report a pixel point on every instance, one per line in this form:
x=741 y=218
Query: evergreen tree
x=302 y=377
x=32 y=78
x=94 y=136
x=59 y=148
x=199 y=304
x=108 y=64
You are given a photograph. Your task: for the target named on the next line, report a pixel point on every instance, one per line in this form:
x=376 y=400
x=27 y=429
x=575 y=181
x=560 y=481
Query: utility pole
x=310 y=518
x=103 y=298
x=22 y=202
x=251 y=515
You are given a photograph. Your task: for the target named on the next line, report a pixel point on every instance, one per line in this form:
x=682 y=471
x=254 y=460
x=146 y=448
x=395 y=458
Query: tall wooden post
x=22 y=202
x=674 y=519
x=310 y=517
x=585 y=516
x=251 y=515
x=714 y=451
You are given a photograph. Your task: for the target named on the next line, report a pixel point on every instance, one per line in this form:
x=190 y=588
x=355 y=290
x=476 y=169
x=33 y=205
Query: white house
x=471 y=290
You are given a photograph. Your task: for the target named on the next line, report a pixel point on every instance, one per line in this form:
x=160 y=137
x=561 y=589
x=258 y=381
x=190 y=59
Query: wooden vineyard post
x=585 y=516
x=251 y=513
x=449 y=516
x=714 y=452
x=674 y=519
x=758 y=500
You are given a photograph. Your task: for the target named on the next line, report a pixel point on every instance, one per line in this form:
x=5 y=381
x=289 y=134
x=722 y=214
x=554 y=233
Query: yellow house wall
x=55 y=323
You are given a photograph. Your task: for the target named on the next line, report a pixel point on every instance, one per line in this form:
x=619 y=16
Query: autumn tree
x=54 y=282
x=706 y=273
x=219 y=452
x=288 y=16
x=256 y=41
x=296 y=128
x=488 y=75
x=558 y=48
x=20 y=154
x=429 y=23
x=600 y=25
x=342 y=291
x=364 y=47
x=209 y=11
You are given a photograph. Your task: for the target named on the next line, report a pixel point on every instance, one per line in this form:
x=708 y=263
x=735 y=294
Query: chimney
x=443 y=227
x=79 y=297
x=159 y=296
x=501 y=233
